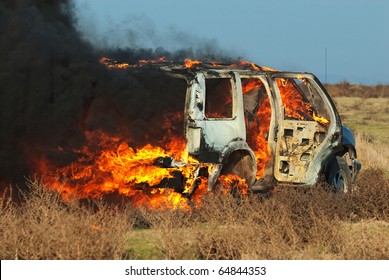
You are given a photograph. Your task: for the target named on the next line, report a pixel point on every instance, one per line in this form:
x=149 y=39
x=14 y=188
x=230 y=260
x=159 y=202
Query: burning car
x=268 y=127
x=217 y=123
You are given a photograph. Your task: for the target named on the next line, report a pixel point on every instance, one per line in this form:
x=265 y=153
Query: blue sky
x=286 y=35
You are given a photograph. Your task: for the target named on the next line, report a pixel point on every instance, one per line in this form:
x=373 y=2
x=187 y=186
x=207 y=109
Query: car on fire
x=268 y=127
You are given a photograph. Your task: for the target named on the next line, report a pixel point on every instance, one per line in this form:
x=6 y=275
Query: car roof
x=189 y=67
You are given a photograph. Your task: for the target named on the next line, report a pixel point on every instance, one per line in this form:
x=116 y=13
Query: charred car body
x=268 y=127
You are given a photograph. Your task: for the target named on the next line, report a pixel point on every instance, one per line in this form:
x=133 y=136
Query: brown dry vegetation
x=287 y=224
x=354 y=90
x=43 y=227
x=290 y=224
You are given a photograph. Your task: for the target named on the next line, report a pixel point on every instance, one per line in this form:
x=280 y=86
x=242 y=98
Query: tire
x=340 y=176
x=242 y=165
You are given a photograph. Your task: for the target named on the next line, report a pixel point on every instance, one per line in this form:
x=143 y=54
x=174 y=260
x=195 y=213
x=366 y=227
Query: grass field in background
x=369 y=116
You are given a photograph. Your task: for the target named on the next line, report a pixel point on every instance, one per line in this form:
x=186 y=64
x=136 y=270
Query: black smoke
x=53 y=88
x=48 y=76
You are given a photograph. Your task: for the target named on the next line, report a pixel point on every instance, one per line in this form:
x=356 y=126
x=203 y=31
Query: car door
x=306 y=129
x=214 y=111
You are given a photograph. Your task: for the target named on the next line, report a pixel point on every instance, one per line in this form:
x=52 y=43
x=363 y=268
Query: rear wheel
x=340 y=175
x=240 y=163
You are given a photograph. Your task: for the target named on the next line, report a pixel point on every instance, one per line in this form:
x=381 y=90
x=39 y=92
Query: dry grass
x=372 y=154
x=367 y=116
x=43 y=227
x=288 y=224
x=294 y=223
x=266 y=228
x=365 y=240
x=353 y=90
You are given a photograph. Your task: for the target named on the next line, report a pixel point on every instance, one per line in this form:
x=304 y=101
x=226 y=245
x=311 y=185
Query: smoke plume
x=53 y=89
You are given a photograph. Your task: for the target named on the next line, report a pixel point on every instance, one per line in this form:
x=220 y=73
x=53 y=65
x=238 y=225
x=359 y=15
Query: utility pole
x=325 y=64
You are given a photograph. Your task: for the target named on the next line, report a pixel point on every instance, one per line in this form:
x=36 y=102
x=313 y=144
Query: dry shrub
x=222 y=231
x=296 y=223
x=367 y=240
x=353 y=90
x=268 y=228
x=372 y=154
x=290 y=223
x=7 y=214
x=44 y=227
x=370 y=198
x=172 y=230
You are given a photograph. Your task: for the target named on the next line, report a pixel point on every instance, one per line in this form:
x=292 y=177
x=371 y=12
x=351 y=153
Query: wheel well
x=241 y=163
x=333 y=159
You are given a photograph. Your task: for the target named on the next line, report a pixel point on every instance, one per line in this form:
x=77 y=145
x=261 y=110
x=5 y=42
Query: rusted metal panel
x=297 y=146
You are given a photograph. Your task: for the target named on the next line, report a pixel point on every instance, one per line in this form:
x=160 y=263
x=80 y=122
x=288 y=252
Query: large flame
x=294 y=104
x=247 y=63
x=113 y=166
x=257 y=138
x=191 y=63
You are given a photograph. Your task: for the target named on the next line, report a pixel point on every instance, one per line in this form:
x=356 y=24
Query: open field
x=369 y=116
x=288 y=224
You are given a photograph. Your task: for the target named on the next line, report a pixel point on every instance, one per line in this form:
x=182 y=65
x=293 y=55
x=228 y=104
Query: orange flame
x=190 y=63
x=247 y=63
x=257 y=135
x=111 y=64
x=114 y=167
x=265 y=68
x=295 y=105
x=292 y=99
x=152 y=61
x=320 y=119
x=233 y=182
